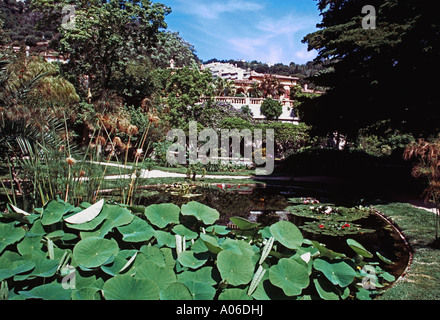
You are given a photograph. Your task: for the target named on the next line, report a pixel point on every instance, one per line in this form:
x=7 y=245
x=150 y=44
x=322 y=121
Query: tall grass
x=43 y=166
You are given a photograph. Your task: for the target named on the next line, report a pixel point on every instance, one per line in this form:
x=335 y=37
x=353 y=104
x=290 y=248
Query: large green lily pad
x=192 y=259
x=44 y=268
x=162 y=214
x=289 y=275
x=10 y=268
x=336 y=271
x=137 y=231
x=9 y=235
x=287 y=234
x=50 y=291
x=359 y=249
x=94 y=251
x=163 y=276
x=120 y=261
x=202 y=212
x=54 y=211
x=236 y=269
x=125 y=287
x=116 y=216
x=244 y=224
x=176 y=291
x=200 y=283
x=234 y=294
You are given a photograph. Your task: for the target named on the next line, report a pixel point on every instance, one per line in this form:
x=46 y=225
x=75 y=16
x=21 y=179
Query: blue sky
x=269 y=31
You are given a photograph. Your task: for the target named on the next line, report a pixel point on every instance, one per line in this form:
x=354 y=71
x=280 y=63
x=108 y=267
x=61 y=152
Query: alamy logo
x=69 y=279
x=369 y=280
x=68 y=21
x=186 y=150
x=369 y=21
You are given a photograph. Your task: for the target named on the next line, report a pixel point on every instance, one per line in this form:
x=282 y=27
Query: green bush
x=271 y=109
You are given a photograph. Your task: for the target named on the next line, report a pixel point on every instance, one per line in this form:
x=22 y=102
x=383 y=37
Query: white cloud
x=214 y=9
x=304 y=54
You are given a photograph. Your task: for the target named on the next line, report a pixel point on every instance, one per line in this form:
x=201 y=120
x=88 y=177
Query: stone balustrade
x=254 y=105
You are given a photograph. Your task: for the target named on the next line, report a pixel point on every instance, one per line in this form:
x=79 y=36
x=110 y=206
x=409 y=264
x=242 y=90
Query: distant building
x=48 y=55
x=245 y=81
x=227 y=71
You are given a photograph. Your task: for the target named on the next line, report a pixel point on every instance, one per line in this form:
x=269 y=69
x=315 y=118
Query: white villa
x=244 y=80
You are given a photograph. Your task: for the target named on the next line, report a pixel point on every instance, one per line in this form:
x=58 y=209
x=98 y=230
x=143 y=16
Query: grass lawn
x=423 y=279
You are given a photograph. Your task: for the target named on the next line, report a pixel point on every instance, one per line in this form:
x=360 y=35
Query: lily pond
x=200 y=243
x=323 y=217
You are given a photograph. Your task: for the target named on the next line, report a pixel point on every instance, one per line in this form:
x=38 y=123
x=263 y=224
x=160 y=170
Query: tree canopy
x=107 y=34
x=375 y=74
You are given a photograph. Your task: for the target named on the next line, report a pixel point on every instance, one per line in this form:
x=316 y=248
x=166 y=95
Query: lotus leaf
x=219 y=230
x=37 y=229
x=120 y=261
x=244 y=224
x=125 y=287
x=10 y=268
x=165 y=239
x=202 y=212
x=170 y=260
x=211 y=243
x=137 y=231
x=116 y=216
x=162 y=214
x=287 y=234
x=236 y=269
x=199 y=246
x=234 y=294
x=386 y=260
x=181 y=230
x=86 y=294
x=30 y=245
x=44 y=268
x=9 y=235
x=325 y=252
x=154 y=254
x=163 y=276
x=94 y=252
x=359 y=249
x=200 y=283
x=192 y=260
x=337 y=271
x=238 y=246
x=50 y=291
x=289 y=275
x=176 y=291
x=54 y=211
x=326 y=289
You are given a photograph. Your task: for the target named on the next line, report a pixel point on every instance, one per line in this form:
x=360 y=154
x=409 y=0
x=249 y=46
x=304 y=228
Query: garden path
x=162 y=174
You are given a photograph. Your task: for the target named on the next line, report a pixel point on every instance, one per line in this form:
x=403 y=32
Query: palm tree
x=271 y=87
x=255 y=91
x=224 y=87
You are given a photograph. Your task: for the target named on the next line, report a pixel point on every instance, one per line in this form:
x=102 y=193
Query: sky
x=268 y=31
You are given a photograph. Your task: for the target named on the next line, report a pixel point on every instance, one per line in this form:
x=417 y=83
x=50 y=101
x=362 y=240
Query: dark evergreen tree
x=376 y=74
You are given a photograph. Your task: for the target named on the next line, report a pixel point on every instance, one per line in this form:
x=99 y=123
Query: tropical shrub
x=163 y=251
